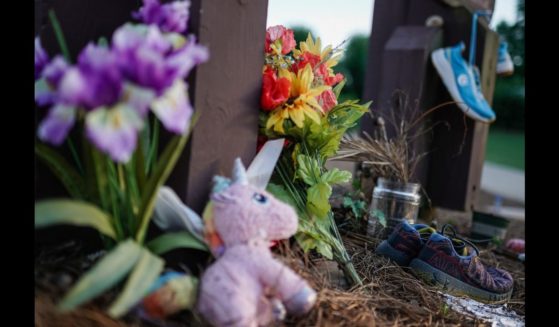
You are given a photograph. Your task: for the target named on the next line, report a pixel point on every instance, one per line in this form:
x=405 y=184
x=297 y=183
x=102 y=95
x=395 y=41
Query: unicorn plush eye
x=260 y=198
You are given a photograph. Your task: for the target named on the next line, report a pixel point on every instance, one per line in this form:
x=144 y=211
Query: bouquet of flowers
x=299 y=102
x=116 y=95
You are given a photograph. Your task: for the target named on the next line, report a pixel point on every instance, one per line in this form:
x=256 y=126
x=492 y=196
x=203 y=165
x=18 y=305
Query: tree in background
x=508 y=100
x=352 y=66
x=300 y=33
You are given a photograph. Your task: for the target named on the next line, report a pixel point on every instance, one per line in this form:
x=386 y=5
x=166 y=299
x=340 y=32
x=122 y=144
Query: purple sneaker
x=407 y=240
x=438 y=263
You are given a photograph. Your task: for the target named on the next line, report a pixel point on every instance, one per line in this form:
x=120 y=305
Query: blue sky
x=336 y=20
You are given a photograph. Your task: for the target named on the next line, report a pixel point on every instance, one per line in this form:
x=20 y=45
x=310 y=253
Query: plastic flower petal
x=303 y=102
x=114 y=130
x=46 y=87
x=327 y=100
x=187 y=57
x=149 y=59
x=170 y=17
x=55 y=127
x=275 y=91
x=321 y=60
x=41 y=58
x=96 y=81
x=279 y=40
x=138 y=97
x=173 y=108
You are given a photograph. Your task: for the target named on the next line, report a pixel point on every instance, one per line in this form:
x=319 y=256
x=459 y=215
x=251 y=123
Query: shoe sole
x=448 y=78
x=505 y=69
x=454 y=286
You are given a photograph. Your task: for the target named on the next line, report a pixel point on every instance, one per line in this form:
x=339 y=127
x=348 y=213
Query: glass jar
x=393 y=202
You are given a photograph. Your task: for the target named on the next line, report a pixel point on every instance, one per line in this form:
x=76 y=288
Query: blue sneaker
x=505 y=67
x=459 y=79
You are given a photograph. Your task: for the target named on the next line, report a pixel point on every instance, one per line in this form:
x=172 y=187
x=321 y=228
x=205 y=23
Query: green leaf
x=317 y=199
x=171 y=241
x=305 y=241
x=160 y=174
x=146 y=271
x=110 y=270
x=325 y=250
x=359 y=208
x=139 y=163
x=65 y=173
x=101 y=179
x=338 y=88
x=308 y=242
x=281 y=194
x=378 y=214
x=59 y=35
x=336 y=176
x=72 y=212
x=308 y=169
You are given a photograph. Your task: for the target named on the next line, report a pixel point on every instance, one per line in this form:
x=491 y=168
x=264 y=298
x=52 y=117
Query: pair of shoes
x=460 y=80
x=449 y=262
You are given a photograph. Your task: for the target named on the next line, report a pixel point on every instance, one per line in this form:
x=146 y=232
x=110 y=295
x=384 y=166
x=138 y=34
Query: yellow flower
x=328 y=55
x=302 y=101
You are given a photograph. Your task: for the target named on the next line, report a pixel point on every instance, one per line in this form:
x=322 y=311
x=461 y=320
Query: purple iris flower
x=41 y=58
x=144 y=69
x=46 y=86
x=55 y=127
x=95 y=81
x=170 y=17
x=114 y=131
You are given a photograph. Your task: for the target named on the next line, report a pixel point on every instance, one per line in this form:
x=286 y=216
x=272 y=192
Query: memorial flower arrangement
x=299 y=102
x=116 y=95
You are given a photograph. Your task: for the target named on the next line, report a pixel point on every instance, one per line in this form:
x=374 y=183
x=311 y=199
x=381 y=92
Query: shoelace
x=455 y=236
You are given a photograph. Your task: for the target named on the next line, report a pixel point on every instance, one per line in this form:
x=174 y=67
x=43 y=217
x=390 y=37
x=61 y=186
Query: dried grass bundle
x=390 y=157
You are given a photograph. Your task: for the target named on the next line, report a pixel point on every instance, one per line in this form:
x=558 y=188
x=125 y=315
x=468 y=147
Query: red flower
x=307 y=58
x=333 y=80
x=285 y=36
x=327 y=100
x=274 y=91
x=319 y=69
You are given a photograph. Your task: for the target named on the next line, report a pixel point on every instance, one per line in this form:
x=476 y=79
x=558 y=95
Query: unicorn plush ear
x=239 y=173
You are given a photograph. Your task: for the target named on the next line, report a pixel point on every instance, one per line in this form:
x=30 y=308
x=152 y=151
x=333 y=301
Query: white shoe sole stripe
x=447 y=76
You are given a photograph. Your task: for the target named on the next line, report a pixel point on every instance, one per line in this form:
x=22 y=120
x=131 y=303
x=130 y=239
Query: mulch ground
x=390 y=296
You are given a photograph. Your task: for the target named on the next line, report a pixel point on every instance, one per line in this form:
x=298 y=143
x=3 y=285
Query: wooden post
x=457 y=155
x=406 y=69
x=226 y=93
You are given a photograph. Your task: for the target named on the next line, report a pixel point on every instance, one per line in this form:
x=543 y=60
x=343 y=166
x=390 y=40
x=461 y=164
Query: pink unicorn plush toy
x=246 y=286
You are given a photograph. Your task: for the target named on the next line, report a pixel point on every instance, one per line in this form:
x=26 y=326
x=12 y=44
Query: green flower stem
x=75 y=155
x=341 y=255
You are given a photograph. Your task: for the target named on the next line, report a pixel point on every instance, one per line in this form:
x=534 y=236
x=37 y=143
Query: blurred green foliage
x=508 y=99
